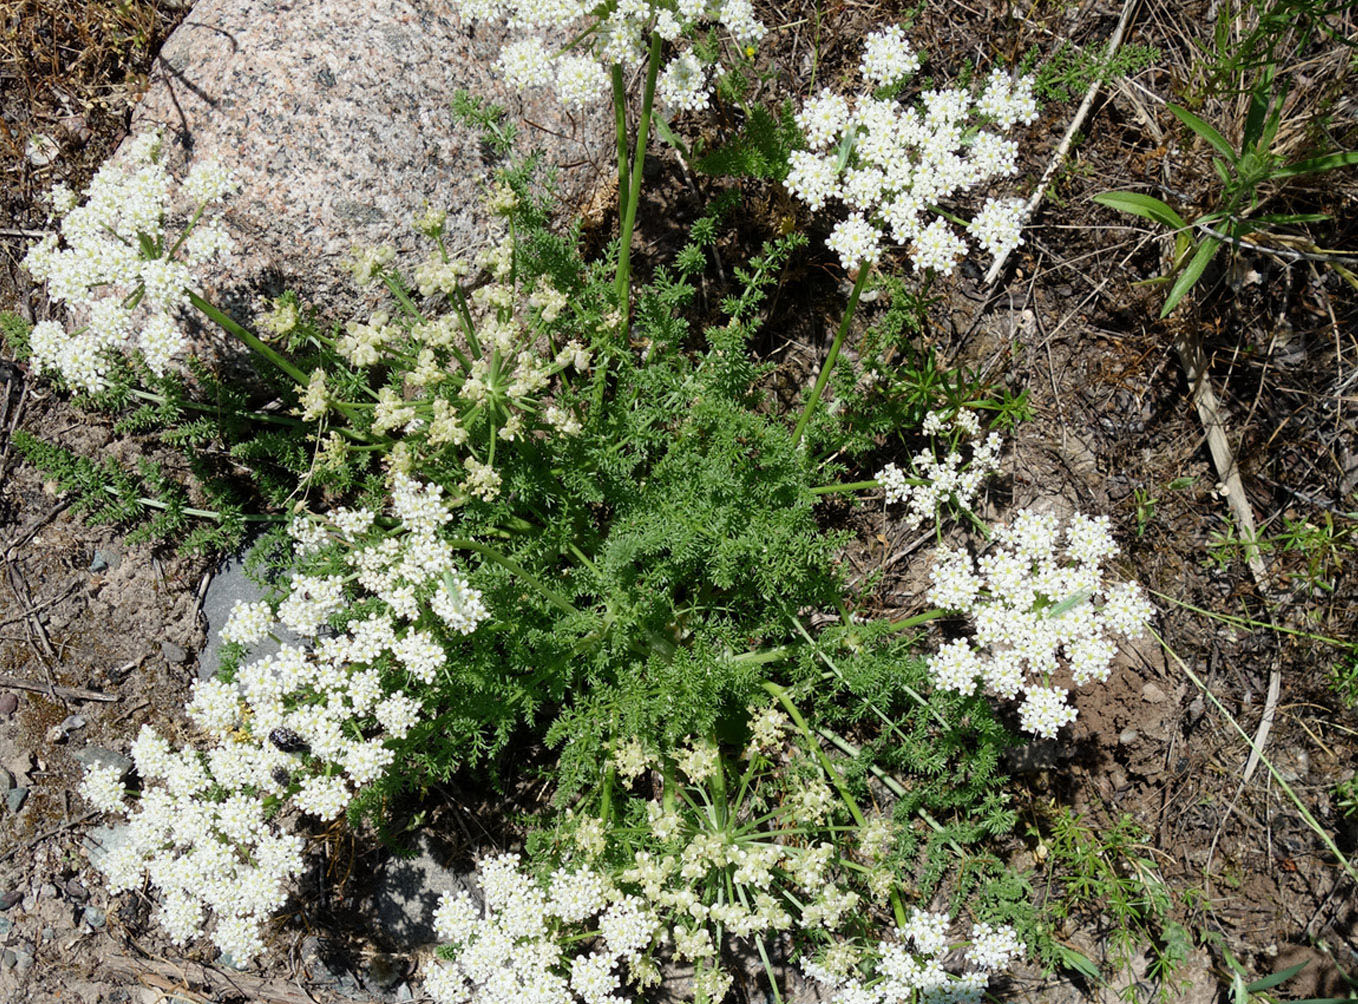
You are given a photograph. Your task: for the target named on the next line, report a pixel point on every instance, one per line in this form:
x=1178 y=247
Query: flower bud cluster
x=115 y=260
x=604 y=36
x=524 y=941
x=457 y=380
x=891 y=165
x=1034 y=600
x=776 y=860
x=931 y=484
x=912 y=966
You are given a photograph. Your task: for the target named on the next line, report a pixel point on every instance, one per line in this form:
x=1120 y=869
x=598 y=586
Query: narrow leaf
x=1204 y=130
x=1282 y=976
x=1191 y=274
x=1142 y=205
x=1317 y=164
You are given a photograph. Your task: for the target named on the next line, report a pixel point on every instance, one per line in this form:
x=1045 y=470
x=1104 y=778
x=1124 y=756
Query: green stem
x=251 y=340
x=620 y=128
x=924 y=618
x=633 y=193
x=254 y=416
x=852 y=486
x=833 y=357
x=504 y=561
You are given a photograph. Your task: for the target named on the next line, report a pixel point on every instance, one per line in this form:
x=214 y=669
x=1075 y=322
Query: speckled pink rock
x=336 y=117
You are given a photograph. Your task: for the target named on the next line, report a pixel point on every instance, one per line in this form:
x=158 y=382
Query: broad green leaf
x=1204 y=130
x=1142 y=205
x=664 y=131
x=1081 y=963
x=1282 y=976
x=1317 y=164
x=1191 y=274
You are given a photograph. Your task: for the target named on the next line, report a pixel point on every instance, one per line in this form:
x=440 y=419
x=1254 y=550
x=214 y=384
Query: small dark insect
x=288 y=741
x=283 y=778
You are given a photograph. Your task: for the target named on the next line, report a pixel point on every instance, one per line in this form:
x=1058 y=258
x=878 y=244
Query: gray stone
x=15 y=798
x=407 y=891
x=404 y=993
x=9 y=703
x=5 y=925
x=76 y=890
x=100 y=840
x=10 y=899
x=23 y=960
x=95 y=917
x=229 y=585
x=335 y=116
x=1150 y=692
x=99 y=562
x=6 y=780
x=7 y=959
x=174 y=654
x=97 y=756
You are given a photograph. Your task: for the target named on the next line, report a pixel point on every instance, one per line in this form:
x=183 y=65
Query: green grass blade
x=1317 y=164
x=1145 y=206
x=1206 y=131
x=1189 y=277
x=1281 y=976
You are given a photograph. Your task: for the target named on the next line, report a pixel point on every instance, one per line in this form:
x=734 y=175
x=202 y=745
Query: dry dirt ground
x=97 y=637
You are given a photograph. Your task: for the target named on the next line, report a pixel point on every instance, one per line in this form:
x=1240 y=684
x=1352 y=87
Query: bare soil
x=1114 y=428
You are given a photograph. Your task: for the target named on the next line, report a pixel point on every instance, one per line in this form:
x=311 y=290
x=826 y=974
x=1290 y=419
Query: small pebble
x=48 y=933
x=76 y=890
x=6 y=780
x=15 y=798
x=174 y=654
x=10 y=899
x=99 y=562
x=47 y=891
x=9 y=703
x=1128 y=736
x=8 y=959
x=5 y=925
x=24 y=961
x=95 y=917
x=1150 y=692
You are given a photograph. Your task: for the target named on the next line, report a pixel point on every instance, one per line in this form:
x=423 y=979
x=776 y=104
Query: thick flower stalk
x=1039 y=606
x=892 y=166
x=116 y=260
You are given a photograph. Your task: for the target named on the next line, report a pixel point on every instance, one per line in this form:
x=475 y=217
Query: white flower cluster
x=307 y=726
x=603 y=36
x=891 y=166
x=930 y=483
x=115 y=261
x=1032 y=600
x=911 y=968
x=207 y=854
x=524 y=943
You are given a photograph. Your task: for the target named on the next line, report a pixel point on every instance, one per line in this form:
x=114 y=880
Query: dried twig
x=68 y=693
x=1113 y=43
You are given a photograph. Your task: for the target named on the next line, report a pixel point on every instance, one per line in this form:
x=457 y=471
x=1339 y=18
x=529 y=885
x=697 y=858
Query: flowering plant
x=538 y=501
